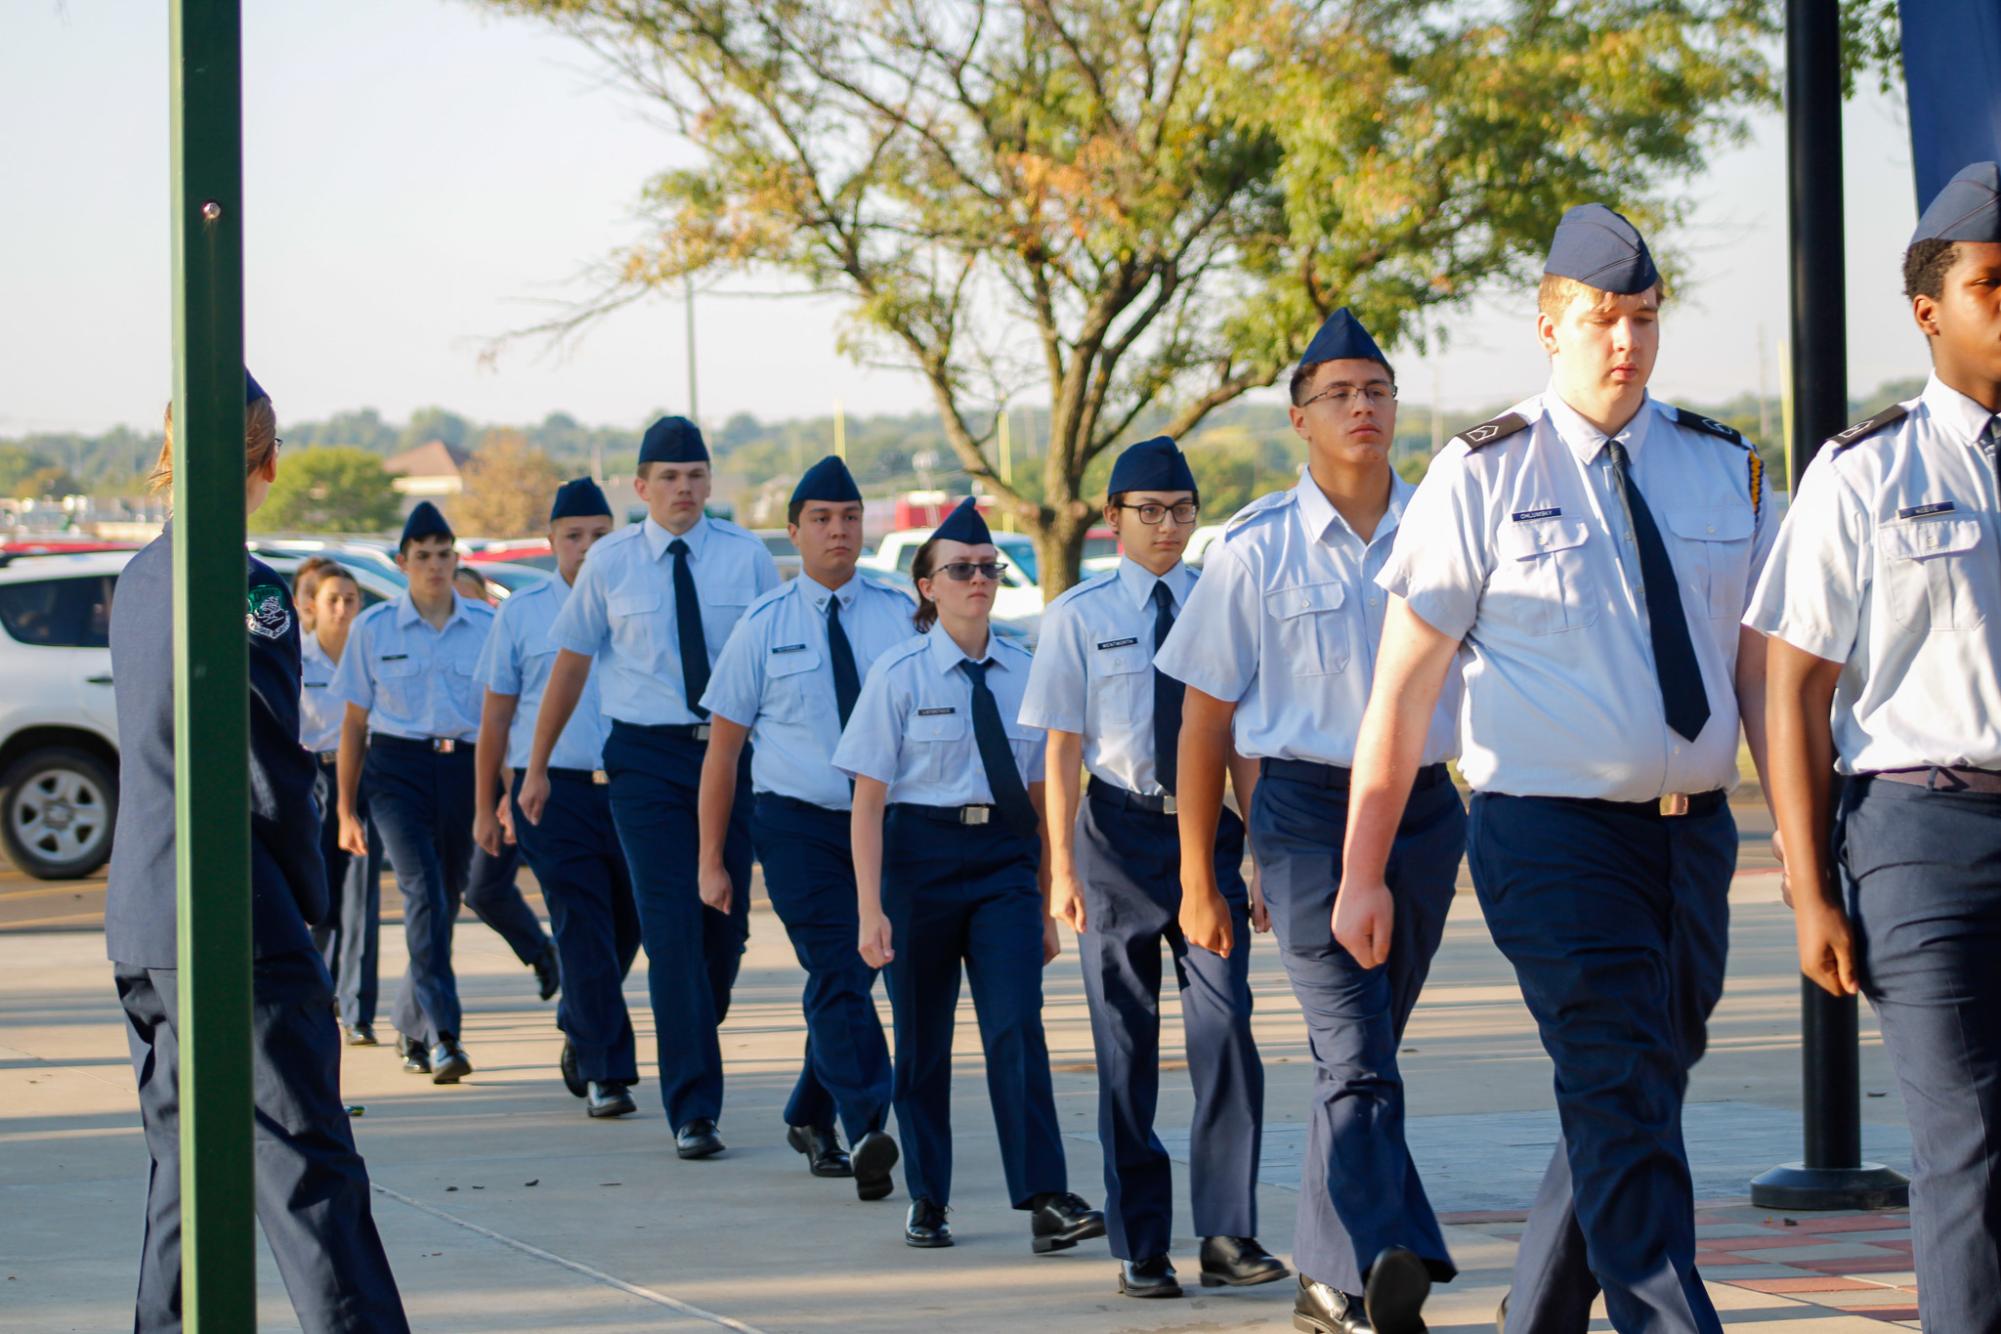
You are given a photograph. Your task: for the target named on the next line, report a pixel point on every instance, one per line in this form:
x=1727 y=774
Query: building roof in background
x=433 y=458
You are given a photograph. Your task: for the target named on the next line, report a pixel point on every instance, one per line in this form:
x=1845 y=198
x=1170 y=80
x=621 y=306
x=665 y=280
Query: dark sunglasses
x=959 y=571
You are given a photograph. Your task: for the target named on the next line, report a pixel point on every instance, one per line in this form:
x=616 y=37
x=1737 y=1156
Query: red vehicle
x=58 y=546
x=535 y=553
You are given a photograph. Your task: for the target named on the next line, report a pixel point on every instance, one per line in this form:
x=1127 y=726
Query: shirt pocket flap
x=1732 y=524
x=1304 y=599
x=632 y=601
x=940 y=724
x=1915 y=539
x=1523 y=538
x=399 y=666
x=791 y=664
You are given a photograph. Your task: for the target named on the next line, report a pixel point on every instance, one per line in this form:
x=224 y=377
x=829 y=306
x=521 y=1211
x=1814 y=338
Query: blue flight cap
x=964 y=524
x=579 y=498
x=1342 y=338
x=828 y=480
x=1967 y=209
x=424 y=521
x=1153 y=465
x=673 y=440
x=251 y=389
x=1600 y=249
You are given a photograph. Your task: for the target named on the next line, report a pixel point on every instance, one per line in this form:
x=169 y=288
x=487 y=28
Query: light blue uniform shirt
x=1285 y=623
x=414 y=681
x=1889 y=562
x=912 y=728
x=519 y=655
x=320 y=714
x=621 y=611
x=1093 y=671
x=776 y=677
x=1522 y=548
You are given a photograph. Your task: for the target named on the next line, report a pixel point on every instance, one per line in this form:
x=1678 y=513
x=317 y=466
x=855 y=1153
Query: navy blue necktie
x=1167 y=694
x=1003 y=776
x=688 y=629
x=847 y=683
x=1682 y=695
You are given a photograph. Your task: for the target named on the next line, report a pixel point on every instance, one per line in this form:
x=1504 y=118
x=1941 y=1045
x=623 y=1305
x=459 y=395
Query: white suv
x=58 y=726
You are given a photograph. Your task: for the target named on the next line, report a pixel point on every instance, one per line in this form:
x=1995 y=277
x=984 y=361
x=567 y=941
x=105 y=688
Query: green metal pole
x=211 y=712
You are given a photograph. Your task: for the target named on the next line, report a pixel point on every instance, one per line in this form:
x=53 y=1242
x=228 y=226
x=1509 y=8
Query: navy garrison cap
x=673 y=440
x=1967 y=209
x=578 y=498
x=424 y=521
x=252 y=391
x=1151 y=465
x=828 y=480
x=964 y=524
x=1600 y=249
x=1342 y=338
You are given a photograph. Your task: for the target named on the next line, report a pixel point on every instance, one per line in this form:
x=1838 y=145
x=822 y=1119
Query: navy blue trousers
x=575 y=855
x=1129 y=860
x=1359 y=1189
x=1922 y=872
x=692 y=952
x=422 y=802
x=958 y=894
x=1617 y=923
x=349 y=940
x=496 y=900
x=809 y=872
x=311 y=1185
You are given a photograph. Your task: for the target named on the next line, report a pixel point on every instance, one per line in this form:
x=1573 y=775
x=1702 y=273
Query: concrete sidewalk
x=505 y=1209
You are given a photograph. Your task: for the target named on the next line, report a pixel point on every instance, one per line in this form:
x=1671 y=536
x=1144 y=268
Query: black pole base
x=1796 y=1186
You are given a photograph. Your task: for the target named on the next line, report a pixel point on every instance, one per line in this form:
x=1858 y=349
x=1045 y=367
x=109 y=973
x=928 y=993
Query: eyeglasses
x=1342 y=395
x=959 y=571
x=1151 y=513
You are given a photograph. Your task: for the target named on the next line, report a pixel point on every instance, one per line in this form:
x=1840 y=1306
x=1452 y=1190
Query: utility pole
x=694 y=402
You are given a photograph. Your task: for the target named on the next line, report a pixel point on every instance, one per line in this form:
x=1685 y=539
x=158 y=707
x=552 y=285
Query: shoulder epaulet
x=478 y=607
x=898 y=652
x=1262 y=505
x=734 y=530
x=1862 y=430
x=374 y=613
x=1499 y=428
x=768 y=597
x=1072 y=593
x=1695 y=421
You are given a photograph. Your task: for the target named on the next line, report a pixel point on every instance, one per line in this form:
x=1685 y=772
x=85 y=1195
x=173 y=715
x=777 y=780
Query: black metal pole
x=1832 y=1175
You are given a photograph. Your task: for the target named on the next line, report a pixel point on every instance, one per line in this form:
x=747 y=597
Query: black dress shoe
x=873 y=1159
x=824 y=1155
x=1148 y=1278
x=415 y=1060
x=925 y=1227
x=698 y=1139
x=1060 y=1220
x=1320 y=1309
x=1238 y=1262
x=448 y=1061
x=548 y=972
x=573 y=1078
x=1393 y=1294
x=607 y=1097
x=361 y=1035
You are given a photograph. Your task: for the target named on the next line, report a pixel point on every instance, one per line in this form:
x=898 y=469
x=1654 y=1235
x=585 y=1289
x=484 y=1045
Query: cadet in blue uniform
x=412 y=717
x=787 y=681
x=949 y=869
x=654 y=605
x=348 y=939
x=311 y=1187
x=573 y=848
x=1883 y=600
x=1278 y=645
x=1587 y=557
x=1116 y=878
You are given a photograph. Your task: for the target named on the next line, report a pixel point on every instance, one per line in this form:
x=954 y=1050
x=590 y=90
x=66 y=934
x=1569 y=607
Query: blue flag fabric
x=1952 y=76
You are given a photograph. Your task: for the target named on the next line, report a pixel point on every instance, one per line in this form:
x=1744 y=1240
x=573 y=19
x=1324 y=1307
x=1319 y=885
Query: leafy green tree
x=330 y=489
x=1134 y=208
x=17 y=464
x=427 y=424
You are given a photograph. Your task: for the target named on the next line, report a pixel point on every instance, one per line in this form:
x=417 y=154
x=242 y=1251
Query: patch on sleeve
x=268 y=615
x=1757 y=483
x=1500 y=428
x=1695 y=421
x=1862 y=430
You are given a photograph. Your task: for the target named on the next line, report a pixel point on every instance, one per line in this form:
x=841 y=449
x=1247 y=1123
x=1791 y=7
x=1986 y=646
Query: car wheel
x=57 y=807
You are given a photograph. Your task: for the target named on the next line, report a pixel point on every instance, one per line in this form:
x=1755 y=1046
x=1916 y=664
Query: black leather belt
x=440 y=745
x=1312 y=773
x=1942 y=778
x=1162 y=804
x=683 y=731
x=779 y=799
x=1672 y=806
x=968 y=815
x=597 y=777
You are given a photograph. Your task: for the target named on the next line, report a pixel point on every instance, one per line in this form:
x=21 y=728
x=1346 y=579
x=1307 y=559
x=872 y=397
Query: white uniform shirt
x=1889 y=562
x=1522 y=548
x=1093 y=670
x=520 y=654
x=621 y=611
x=1285 y=622
x=320 y=714
x=912 y=728
x=776 y=677
x=414 y=681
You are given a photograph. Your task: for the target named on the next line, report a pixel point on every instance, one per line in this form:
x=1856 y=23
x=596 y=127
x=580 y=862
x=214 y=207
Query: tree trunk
x=1059 y=546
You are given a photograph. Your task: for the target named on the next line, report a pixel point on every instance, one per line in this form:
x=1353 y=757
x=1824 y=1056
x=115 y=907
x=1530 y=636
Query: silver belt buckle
x=444 y=745
x=701 y=732
x=1167 y=804
x=975 y=814
x=600 y=777
x=1674 y=803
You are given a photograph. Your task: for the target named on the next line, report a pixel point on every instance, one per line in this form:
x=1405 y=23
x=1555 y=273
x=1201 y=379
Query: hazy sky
x=422 y=176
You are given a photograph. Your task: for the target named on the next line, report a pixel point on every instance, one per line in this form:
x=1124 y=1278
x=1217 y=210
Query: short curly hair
x=1925 y=265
